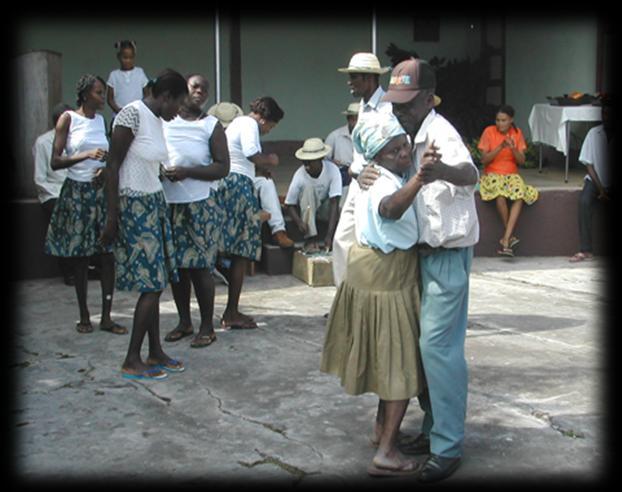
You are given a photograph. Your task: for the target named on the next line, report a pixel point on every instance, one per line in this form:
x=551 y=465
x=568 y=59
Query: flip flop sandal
x=153 y=373
x=505 y=252
x=171 y=365
x=580 y=257
x=238 y=325
x=376 y=471
x=115 y=328
x=84 y=327
x=177 y=334
x=513 y=242
x=201 y=341
x=244 y=325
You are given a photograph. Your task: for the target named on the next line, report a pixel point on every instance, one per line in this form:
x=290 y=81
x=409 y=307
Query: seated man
x=269 y=202
x=314 y=193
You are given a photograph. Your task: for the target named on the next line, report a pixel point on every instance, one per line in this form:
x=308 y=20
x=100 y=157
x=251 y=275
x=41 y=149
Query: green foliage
x=461 y=84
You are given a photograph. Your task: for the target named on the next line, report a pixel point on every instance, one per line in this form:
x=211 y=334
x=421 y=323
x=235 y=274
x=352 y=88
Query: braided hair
x=84 y=86
x=125 y=43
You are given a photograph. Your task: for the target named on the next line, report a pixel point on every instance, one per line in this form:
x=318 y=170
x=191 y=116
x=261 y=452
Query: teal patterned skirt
x=241 y=232
x=77 y=221
x=144 y=251
x=196 y=232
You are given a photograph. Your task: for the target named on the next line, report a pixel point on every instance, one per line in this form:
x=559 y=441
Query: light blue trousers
x=444 y=310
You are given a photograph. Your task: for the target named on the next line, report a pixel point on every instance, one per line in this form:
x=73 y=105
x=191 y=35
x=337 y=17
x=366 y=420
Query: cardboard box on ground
x=314 y=269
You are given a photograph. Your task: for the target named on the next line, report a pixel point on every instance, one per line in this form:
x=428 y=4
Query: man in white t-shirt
x=595 y=152
x=49 y=182
x=315 y=190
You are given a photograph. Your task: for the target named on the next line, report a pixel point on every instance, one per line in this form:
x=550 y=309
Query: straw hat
x=313 y=149
x=226 y=112
x=352 y=110
x=364 y=63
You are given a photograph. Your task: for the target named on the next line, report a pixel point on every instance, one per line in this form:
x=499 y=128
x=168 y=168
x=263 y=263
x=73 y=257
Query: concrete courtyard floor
x=254 y=407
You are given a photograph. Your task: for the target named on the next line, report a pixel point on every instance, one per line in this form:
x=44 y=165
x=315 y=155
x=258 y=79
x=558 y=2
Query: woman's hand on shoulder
x=368 y=176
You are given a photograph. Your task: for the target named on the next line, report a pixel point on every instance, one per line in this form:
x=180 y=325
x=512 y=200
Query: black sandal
x=115 y=328
x=177 y=334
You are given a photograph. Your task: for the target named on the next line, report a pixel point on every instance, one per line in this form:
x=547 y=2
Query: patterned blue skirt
x=77 y=221
x=144 y=251
x=196 y=232
x=241 y=232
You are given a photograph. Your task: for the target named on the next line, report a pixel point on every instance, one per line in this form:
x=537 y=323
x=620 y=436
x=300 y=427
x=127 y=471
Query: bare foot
x=394 y=460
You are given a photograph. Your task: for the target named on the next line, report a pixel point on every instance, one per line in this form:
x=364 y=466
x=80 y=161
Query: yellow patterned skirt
x=510 y=186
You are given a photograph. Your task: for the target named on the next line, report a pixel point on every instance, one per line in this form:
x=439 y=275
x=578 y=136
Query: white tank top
x=188 y=145
x=85 y=134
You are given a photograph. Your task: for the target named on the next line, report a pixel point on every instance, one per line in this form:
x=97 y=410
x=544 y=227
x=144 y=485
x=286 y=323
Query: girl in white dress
x=127 y=83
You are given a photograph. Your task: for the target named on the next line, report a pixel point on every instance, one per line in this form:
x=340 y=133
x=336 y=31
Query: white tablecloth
x=548 y=123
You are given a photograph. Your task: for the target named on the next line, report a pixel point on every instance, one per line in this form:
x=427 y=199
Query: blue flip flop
x=153 y=373
x=171 y=365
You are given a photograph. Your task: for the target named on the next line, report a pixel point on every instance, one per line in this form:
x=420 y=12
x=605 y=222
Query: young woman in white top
x=138 y=222
x=241 y=234
x=198 y=158
x=81 y=147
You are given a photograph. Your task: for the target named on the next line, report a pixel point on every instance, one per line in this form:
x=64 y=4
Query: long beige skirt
x=372 y=335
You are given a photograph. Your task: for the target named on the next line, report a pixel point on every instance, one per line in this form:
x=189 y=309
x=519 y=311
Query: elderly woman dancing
x=371 y=340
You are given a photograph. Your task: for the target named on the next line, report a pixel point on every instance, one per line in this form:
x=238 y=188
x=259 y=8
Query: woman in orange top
x=503 y=149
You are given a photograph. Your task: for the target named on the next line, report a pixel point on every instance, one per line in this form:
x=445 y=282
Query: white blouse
x=139 y=172
x=188 y=144
x=85 y=134
x=243 y=142
x=376 y=231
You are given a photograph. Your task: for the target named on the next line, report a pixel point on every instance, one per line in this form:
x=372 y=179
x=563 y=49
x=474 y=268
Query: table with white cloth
x=550 y=125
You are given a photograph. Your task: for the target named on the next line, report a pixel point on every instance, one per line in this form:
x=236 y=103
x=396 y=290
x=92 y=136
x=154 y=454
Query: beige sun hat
x=226 y=112
x=352 y=109
x=364 y=63
x=313 y=149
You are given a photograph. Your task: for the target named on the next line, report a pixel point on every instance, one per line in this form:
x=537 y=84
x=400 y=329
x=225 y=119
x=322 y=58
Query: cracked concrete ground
x=255 y=407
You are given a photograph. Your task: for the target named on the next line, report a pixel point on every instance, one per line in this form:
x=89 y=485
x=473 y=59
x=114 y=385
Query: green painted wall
x=88 y=47
x=548 y=58
x=295 y=58
x=459 y=37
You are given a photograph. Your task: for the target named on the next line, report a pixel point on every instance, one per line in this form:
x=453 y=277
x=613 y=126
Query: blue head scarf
x=373 y=132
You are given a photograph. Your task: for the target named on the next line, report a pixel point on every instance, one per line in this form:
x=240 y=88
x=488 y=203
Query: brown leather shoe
x=282 y=240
